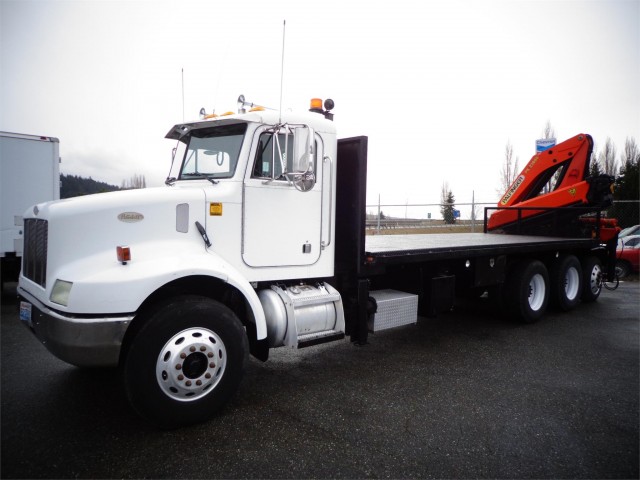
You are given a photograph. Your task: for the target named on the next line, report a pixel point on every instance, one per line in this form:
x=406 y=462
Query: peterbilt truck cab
x=177 y=284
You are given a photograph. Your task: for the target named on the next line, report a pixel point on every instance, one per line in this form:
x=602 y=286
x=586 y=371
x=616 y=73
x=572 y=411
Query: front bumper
x=82 y=341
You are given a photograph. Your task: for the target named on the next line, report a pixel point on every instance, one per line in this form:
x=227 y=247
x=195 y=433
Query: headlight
x=60 y=292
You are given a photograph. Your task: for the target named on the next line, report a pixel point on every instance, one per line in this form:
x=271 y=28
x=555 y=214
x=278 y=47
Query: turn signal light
x=124 y=254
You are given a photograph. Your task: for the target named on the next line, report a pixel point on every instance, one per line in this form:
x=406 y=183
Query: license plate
x=25 y=313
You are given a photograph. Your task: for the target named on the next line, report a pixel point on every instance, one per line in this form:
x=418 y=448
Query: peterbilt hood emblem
x=130 y=217
x=36 y=210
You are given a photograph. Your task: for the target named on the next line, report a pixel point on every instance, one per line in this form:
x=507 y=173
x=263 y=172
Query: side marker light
x=215 y=209
x=124 y=254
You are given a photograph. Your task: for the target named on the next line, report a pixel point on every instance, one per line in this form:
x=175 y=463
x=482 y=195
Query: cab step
x=311 y=339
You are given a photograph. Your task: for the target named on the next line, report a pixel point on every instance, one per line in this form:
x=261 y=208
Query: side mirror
x=304 y=150
x=303 y=176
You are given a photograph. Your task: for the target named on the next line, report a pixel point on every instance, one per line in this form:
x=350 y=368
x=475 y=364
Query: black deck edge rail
x=553 y=211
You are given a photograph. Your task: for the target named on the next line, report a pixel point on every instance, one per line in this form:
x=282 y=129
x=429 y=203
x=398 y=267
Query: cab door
x=282 y=217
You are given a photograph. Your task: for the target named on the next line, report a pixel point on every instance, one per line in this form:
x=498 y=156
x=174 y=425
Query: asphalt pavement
x=466 y=394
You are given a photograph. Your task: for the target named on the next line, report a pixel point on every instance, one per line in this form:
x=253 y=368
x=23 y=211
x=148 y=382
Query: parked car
x=628 y=255
x=625 y=232
x=629 y=240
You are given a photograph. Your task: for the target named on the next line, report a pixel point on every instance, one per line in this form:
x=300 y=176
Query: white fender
x=120 y=288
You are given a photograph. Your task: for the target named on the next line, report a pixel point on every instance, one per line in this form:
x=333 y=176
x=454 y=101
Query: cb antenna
x=182 y=94
x=284 y=26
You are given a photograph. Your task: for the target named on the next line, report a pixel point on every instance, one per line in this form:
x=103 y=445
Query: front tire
x=566 y=282
x=185 y=362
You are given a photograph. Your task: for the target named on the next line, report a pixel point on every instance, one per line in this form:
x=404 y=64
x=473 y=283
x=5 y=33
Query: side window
x=272 y=155
x=273 y=158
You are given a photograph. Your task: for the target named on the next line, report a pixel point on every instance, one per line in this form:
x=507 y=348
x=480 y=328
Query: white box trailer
x=29 y=174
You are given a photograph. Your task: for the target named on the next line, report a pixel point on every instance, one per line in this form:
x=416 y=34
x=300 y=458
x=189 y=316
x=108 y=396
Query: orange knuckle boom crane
x=553 y=193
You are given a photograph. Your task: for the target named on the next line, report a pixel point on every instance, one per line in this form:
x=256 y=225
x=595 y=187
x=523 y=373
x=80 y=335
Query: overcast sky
x=439 y=87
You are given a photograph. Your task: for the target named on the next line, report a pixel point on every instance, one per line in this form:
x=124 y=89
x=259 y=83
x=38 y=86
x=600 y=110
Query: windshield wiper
x=201 y=175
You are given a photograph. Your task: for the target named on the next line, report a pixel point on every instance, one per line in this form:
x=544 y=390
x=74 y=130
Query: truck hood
x=87 y=230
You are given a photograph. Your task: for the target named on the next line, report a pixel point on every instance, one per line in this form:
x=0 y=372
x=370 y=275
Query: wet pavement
x=467 y=394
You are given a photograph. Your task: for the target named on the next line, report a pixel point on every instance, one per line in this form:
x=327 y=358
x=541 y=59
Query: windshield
x=213 y=152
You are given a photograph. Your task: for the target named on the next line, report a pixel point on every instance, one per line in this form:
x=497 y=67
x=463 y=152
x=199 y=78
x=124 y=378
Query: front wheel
x=185 y=362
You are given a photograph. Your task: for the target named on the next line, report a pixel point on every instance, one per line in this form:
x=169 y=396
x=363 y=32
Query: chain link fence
x=627 y=212
x=427 y=218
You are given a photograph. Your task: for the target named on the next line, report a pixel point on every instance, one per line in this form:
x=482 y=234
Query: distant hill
x=74 y=186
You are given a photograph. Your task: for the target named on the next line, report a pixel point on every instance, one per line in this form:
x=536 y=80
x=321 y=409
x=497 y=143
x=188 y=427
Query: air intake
x=34 y=260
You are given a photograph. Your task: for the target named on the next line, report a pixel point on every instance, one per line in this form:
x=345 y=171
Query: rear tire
x=566 y=282
x=185 y=362
x=592 y=279
x=526 y=291
x=623 y=268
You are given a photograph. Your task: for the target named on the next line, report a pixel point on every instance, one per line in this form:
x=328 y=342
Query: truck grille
x=34 y=259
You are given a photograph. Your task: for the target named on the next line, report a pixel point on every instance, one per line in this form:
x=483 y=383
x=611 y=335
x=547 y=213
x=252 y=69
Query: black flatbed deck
x=408 y=248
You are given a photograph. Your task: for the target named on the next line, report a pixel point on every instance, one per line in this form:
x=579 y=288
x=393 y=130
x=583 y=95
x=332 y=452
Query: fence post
x=378 y=229
x=473 y=211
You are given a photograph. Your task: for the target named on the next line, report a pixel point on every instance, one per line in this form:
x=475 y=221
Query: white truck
x=30 y=174
x=257 y=241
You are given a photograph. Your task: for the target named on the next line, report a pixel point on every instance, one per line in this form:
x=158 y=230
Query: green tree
x=447 y=204
x=594 y=166
x=74 y=186
x=627 y=187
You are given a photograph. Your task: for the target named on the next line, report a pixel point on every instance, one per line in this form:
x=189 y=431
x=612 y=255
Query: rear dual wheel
x=566 y=282
x=526 y=290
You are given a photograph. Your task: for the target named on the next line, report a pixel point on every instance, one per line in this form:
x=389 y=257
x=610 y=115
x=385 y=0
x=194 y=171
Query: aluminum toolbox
x=394 y=309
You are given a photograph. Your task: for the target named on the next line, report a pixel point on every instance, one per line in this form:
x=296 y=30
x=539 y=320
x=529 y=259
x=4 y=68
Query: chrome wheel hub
x=536 y=292
x=191 y=364
x=571 y=283
x=595 y=279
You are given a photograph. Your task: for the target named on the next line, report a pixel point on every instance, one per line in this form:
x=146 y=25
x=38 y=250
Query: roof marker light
x=206 y=116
